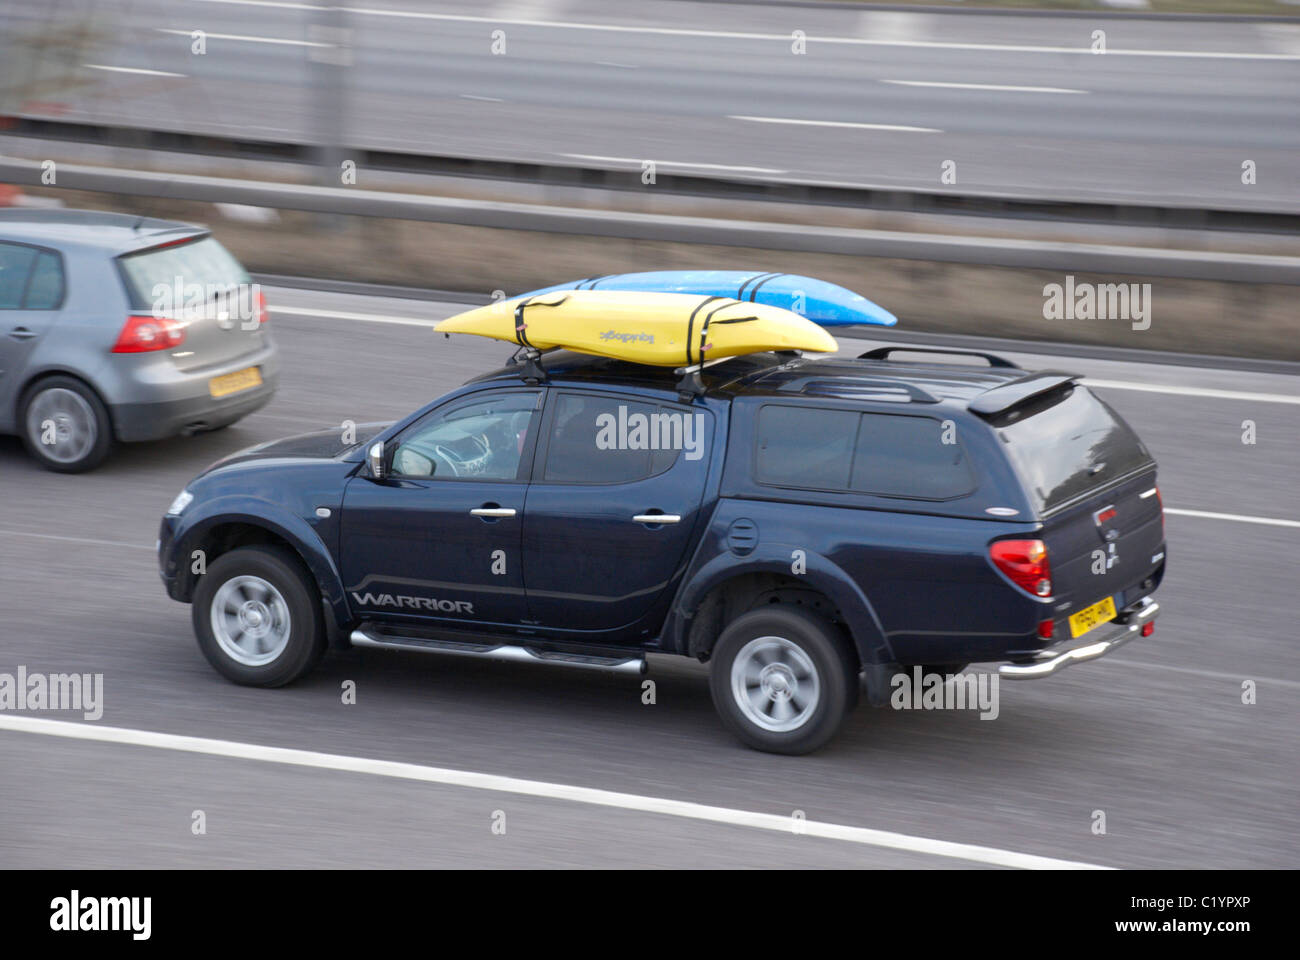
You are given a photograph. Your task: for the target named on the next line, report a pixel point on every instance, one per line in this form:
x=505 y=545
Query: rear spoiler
x=1012 y=394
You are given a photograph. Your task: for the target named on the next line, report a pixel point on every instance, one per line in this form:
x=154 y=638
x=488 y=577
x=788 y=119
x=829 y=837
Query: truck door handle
x=656 y=518
x=493 y=512
x=21 y=333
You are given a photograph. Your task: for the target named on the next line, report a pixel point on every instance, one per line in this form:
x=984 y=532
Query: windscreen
x=204 y=262
x=1067 y=443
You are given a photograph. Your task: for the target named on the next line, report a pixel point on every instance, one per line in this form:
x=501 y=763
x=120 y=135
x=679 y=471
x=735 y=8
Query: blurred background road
x=1021 y=103
x=1156 y=736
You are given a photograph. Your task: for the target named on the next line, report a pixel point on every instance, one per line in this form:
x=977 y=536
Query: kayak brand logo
x=622 y=337
x=655 y=431
x=1092 y=301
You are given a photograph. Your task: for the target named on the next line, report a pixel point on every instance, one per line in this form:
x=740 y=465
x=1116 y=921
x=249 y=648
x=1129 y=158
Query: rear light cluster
x=259 y=302
x=142 y=334
x=1025 y=563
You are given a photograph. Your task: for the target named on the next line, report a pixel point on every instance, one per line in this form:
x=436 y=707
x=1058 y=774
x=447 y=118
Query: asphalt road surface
x=1013 y=105
x=1155 y=736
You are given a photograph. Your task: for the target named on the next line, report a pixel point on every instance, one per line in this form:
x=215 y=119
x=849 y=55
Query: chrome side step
x=635 y=665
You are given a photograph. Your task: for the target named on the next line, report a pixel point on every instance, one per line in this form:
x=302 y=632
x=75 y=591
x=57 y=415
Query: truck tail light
x=1025 y=562
x=141 y=334
x=1046 y=628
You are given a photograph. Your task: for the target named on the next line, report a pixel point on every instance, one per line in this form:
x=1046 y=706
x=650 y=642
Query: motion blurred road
x=1021 y=104
x=1155 y=736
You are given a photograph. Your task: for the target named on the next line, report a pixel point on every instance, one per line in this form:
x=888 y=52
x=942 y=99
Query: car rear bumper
x=1098 y=643
x=189 y=414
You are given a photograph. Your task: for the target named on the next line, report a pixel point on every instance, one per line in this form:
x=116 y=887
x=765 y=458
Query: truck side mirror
x=375 y=457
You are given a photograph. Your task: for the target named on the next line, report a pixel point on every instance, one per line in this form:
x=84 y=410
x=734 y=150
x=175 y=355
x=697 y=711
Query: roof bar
x=882 y=353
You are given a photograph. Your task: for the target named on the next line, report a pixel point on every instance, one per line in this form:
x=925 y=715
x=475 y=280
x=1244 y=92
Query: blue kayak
x=821 y=302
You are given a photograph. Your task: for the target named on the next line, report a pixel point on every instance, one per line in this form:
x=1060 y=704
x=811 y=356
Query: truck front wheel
x=782 y=679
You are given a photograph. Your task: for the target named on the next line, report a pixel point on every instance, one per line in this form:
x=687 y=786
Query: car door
x=438 y=539
x=596 y=557
x=31 y=292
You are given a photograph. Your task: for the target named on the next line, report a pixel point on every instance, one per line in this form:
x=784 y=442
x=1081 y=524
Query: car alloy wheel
x=250 y=621
x=775 y=684
x=66 y=419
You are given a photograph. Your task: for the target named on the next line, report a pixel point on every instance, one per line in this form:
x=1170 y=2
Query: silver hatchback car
x=123 y=328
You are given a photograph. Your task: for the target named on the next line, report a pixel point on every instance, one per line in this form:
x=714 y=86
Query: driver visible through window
x=480 y=440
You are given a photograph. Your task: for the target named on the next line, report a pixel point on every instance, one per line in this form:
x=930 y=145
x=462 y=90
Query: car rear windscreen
x=1068 y=442
x=203 y=261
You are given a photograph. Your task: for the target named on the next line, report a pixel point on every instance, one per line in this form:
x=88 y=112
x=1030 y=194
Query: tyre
x=257 y=616
x=782 y=679
x=65 y=426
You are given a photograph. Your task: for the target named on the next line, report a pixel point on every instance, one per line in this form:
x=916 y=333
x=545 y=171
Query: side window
x=806 y=447
x=478 y=440
x=908 y=457
x=15 y=267
x=45 y=289
x=608 y=440
x=885 y=455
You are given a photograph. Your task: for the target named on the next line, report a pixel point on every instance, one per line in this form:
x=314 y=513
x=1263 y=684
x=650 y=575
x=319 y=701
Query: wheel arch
x=722 y=589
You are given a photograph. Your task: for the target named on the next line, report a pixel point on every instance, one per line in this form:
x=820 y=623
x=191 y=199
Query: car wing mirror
x=375 y=457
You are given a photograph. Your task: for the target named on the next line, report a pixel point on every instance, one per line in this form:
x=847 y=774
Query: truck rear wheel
x=782 y=679
x=257 y=616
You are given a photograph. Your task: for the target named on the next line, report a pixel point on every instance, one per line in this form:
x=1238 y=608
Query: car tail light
x=259 y=303
x=142 y=334
x=1025 y=562
x=1161 y=500
x=1046 y=628
x=1148 y=628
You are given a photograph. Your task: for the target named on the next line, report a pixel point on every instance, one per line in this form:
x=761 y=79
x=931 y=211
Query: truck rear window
x=204 y=262
x=1067 y=443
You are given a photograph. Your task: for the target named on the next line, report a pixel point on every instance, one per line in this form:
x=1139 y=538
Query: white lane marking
x=51 y=536
x=781 y=37
x=1193 y=391
x=344 y=315
x=611 y=63
x=537 y=788
x=1237 y=517
x=140 y=70
x=245 y=38
x=670 y=163
x=473 y=96
x=1008 y=88
x=1207 y=674
x=837 y=123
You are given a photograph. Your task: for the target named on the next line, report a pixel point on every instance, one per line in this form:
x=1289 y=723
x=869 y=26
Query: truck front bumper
x=1121 y=630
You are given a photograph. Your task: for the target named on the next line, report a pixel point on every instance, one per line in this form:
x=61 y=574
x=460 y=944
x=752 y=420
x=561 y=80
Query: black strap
x=753 y=293
x=690 y=324
x=520 y=337
x=590 y=282
x=764 y=277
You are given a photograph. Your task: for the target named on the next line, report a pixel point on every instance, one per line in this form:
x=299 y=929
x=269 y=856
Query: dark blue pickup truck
x=809 y=527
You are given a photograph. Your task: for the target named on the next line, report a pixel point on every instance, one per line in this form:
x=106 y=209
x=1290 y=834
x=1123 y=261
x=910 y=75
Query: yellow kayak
x=661 y=329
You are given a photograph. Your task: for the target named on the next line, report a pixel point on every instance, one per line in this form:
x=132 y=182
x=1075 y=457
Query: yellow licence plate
x=1094 y=616
x=234 y=382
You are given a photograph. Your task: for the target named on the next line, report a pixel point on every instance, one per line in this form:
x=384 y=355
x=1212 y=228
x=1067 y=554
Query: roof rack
x=882 y=353
x=1002 y=398
x=841 y=385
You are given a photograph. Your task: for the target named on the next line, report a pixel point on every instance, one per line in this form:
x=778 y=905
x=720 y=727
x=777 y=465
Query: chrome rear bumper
x=1114 y=634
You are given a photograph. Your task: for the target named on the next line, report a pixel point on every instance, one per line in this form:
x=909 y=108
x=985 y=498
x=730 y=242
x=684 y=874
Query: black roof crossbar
x=1012 y=394
x=839 y=386
x=882 y=353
